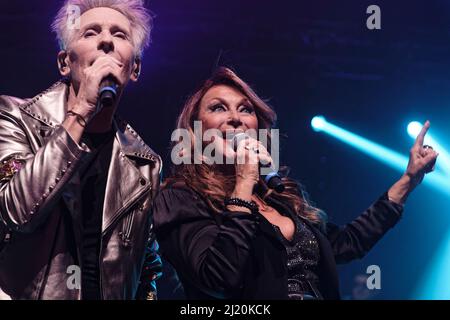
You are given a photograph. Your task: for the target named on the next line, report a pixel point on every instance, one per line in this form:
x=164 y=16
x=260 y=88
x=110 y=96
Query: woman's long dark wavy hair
x=213 y=184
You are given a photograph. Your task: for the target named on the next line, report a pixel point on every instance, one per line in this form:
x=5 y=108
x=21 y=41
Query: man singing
x=76 y=182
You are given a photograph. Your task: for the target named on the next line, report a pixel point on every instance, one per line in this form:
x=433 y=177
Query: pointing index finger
x=421 y=136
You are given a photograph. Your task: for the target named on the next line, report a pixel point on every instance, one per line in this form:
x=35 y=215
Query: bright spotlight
x=318 y=123
x=414 y=128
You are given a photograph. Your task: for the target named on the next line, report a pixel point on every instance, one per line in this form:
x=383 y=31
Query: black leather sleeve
x=208 y=249
x=355 y=239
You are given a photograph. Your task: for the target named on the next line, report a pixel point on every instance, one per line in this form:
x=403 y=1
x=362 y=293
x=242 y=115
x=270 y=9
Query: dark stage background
x=307 y=58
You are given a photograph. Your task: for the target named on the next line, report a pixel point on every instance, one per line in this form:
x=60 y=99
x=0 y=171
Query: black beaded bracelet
x=251 y=205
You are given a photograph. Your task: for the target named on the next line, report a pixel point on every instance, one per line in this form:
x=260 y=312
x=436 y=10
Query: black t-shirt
x=94 y=180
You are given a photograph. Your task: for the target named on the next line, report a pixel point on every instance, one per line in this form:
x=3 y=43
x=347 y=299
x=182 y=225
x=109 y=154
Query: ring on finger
x=255 y=150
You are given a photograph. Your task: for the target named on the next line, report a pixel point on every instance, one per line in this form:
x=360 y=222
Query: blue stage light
x=390 y=157
x=379 y=152
x=414 y=128
x=318 y=123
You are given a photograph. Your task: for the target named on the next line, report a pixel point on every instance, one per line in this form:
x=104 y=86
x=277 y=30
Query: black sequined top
x=303 y=257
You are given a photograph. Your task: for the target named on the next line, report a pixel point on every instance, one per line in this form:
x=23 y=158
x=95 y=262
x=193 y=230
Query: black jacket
x=238 y=255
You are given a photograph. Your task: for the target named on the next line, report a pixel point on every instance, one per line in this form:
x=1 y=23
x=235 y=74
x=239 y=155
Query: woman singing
x=229 y=236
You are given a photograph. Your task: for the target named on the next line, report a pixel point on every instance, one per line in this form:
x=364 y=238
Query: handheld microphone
x=107 y=92
x=272 y=179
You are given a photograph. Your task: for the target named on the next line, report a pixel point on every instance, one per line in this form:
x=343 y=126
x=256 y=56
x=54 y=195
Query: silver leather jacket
x=40 y=205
